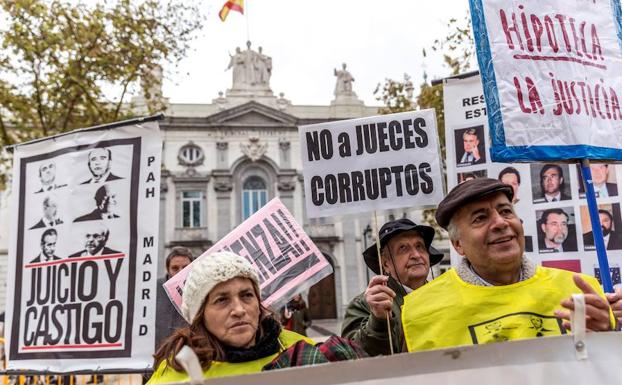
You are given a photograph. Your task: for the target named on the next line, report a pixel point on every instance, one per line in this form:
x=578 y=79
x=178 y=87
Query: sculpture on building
x=344 y=81
x=251 y=70
x=254 y=149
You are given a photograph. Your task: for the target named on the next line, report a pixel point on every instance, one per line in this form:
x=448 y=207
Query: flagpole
x=246 y=12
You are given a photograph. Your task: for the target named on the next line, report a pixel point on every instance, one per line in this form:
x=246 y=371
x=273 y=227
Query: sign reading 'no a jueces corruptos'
x=376 y=163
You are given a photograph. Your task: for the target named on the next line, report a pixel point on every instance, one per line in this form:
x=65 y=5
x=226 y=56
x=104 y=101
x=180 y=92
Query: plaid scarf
x=303 y=353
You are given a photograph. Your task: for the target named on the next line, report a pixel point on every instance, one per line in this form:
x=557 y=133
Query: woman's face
x=231 y=313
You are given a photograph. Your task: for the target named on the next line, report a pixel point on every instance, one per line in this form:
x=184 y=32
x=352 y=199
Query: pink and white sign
x=284 y=256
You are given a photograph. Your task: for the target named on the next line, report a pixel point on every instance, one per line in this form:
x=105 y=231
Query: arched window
x=254 y=195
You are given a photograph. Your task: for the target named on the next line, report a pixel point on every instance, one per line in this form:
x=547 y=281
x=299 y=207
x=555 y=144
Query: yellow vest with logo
x=165 y=374
x=450 y=312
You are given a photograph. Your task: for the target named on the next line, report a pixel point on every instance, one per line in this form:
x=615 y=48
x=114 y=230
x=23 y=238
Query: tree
x=65 y=65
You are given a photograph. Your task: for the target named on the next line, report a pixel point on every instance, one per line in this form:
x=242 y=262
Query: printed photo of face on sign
x=470 y=146
x=610 y=224
x=465 y=176
x=603 y=178
x=550 y=182
x=556 y=230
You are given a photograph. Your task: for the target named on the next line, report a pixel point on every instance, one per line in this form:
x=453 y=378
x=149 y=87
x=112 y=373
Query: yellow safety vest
x=165 y=374
x=450 y=312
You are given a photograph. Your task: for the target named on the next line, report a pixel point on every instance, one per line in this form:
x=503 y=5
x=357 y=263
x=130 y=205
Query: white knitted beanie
x=208 y=272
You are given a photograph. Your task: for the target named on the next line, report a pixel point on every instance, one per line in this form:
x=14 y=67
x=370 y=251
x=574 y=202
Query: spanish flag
x=231 y=5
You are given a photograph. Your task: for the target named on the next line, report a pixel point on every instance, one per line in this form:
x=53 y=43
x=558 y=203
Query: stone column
x=351 y=258
x=286 y=184
x=223 y=186
x=163 y=217
x=284 y=153
x=222 y=154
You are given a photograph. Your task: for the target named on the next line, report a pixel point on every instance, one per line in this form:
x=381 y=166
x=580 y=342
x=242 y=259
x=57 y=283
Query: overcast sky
x=308 y=39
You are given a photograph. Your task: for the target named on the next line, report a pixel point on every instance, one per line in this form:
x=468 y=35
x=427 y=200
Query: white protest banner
x=551 y=75
x=285 y=258
x=83 y=251
x=465 y=125
x=375 y=163
x=549 y=360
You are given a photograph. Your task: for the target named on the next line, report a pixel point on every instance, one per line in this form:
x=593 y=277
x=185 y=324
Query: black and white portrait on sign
x=105 y=203
x=99 y=163
x=48 y=247
x=50 y=214
x=47 y=177
x=96 y=236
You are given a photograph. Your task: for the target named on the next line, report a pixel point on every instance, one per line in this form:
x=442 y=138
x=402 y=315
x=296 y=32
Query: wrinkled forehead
x=410 y=236
x=492 y=201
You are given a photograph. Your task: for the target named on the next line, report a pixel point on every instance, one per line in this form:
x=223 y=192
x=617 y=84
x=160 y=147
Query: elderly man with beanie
x=406 y=252
x=228 y=329
x=495 y=293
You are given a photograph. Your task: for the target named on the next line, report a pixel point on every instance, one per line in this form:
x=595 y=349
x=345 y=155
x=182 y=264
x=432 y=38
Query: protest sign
x=285 y=258
x=549 y=360
x=380 y=162
x=83 y=251
x=551 y=75
x=463 y=99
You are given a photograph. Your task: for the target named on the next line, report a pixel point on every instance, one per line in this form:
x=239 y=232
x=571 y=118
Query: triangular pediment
x=252 y=113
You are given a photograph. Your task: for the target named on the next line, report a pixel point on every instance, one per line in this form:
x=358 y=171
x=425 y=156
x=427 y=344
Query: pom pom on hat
x=208 y=272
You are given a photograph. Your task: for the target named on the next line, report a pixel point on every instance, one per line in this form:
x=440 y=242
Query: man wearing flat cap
x=495 y=294
x=406 y=252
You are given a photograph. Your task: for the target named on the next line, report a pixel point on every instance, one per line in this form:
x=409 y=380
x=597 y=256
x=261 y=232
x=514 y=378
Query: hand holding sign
x=379 y=297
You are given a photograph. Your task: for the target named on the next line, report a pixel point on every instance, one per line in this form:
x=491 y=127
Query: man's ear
x=458 y=246
x=385 y=264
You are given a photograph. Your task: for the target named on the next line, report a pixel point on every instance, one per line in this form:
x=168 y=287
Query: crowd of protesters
x=494 y=287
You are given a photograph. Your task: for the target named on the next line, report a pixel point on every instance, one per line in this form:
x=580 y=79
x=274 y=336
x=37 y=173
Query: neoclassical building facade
x=223 y=160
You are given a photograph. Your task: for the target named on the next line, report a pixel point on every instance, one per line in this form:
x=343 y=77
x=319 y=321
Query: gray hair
x=452 y=230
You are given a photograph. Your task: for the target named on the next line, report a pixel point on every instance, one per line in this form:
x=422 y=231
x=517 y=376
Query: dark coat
x=615 y=240
x=56 y=186
x=562 y=197
x=110 y=177
x=41 y=224
x=570 y=244
x=167 y=317
x=40 y=259
x=93 y=216
x=299 y=320
x=360 y=325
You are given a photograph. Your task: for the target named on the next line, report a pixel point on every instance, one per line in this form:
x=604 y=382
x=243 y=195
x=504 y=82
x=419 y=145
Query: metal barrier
x=118 y=378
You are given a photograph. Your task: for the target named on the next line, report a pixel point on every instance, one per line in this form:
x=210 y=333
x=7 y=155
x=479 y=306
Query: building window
x=191 y=202
x=190 y=155
x=254 y=196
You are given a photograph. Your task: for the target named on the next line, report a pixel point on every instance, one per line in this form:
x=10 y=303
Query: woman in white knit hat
x=229 y=330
